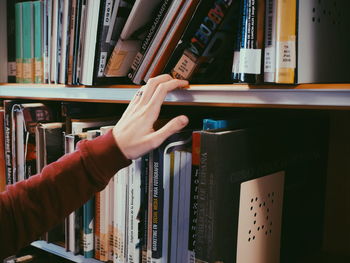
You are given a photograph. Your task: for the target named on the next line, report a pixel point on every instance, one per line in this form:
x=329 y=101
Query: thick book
x=250 y=189
x=2 y=151
x=286 y=41
x=130 y=38
x=191 y=57
x=247 y=60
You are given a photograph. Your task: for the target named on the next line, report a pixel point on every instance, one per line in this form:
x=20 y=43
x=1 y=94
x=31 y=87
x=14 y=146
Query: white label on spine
x=286 y=55
x=88 y=242
x=270 y=60
x=108 y=13
x=11 y=68
x=102 y=64
x=250 y=61
x=235 y=66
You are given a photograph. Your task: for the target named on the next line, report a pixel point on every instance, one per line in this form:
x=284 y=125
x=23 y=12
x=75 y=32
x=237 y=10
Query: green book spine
x=38 y=50
x=19 y=43
x=28 y=42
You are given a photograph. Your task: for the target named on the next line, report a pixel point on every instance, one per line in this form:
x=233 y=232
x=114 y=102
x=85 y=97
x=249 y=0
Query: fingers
x=163 y=89
x=173 y=126
x=152 y=85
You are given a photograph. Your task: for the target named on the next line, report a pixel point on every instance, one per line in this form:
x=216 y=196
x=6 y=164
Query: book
x=54 y=42
x=3 y=45
x=28 y=42
x=19 y=42
x=65 y=40
x=190 y=59
x=130 y=38
x=89 y=44
x=3 y=178
x=286 y=41
x=49 y=143
x=11 y=41
x=247 y=60
x=270 y=41
x=161 y=204
x=184 y=25
x=234 y=162
x=156 y=32
x=38 y=39
x=25 y=118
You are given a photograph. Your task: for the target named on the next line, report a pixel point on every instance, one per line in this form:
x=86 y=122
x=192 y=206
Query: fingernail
x=183 y=120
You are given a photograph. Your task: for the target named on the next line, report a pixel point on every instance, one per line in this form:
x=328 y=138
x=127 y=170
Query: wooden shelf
x=61 y=252
x=317 y=96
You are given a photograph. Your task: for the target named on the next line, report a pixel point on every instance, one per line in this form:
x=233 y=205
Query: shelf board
x=61 y=252
x=317 y=96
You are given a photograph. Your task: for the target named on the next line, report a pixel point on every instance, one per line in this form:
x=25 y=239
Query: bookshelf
x=308 y=96
x=331 y=98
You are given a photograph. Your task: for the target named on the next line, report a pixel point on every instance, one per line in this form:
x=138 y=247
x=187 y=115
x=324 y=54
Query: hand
x=134 y=133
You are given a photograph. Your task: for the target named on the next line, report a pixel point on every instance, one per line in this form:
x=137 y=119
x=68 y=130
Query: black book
x=11 y=41
x=247 y=61
x=233 y=220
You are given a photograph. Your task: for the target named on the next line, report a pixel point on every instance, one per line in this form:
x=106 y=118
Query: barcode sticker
x=102 y=64
x=286 y=54
x=250 y=61
x=11 y=68
x=270 y=60
x=108 y=13
x=235 y=65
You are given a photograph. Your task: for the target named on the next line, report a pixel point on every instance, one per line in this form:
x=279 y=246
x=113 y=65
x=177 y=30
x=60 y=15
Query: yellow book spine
x=286 y=41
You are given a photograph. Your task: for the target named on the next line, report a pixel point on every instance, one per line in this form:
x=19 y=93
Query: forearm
x=31 y=207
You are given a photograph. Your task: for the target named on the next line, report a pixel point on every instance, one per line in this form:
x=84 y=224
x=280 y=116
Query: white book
x=82 y=125
x=47 y=39
x=88 y=58
x=3 y=42
x=134 y=197
x=64 y=42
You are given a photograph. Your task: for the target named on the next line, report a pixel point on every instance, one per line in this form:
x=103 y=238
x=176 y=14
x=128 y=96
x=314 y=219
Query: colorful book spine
x=286 y=41
x=88 y=225
x=270 y=41
x=28 y=42
x=38 y=48
x=19 y=43
x=190 y=59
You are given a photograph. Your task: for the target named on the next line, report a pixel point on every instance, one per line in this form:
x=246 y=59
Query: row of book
x=248 y=189
x=90 y=42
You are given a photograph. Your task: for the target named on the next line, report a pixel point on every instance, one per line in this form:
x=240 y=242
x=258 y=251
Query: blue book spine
x=88 y=225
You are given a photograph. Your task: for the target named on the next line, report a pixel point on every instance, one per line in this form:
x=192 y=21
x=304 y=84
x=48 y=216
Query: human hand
x=134 y=133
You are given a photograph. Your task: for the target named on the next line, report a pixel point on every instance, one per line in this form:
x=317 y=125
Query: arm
x=31 y=207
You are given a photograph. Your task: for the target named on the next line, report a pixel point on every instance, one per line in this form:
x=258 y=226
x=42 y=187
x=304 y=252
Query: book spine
x=19 y=42
x=54 y=37
x=2 y=152
x=102 y=48
x=66 y=14
x=28 y=42
x=251 y=42
x=71 y=32
x=190 y=59
x=97 y=225
x=148 y=40
x=11 y=41
x=88 y=226
x=38 y=50
x=270 y=41
x=157 y=205
x=286 y=41
x=144 y=207
x=76 y=48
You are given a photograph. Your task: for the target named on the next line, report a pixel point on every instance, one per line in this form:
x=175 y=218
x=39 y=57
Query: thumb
x=173 y=126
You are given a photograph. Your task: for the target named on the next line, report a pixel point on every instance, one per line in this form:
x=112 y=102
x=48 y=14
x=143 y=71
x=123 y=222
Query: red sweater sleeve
x=31 y=207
